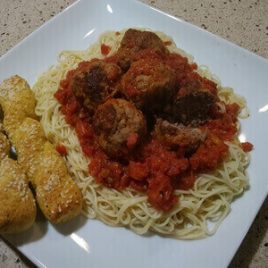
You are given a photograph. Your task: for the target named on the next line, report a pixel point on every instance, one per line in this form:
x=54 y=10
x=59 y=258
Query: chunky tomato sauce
x=105 y=50
x=61 y=149
x=154 y=169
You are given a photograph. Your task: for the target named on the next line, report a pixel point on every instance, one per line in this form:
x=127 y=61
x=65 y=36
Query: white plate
x=90 y=243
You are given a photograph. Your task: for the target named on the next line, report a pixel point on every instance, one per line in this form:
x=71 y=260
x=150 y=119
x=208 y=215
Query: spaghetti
x=200 y=210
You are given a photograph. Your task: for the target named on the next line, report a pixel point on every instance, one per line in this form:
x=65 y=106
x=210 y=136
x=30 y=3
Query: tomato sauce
x=61 y=149
x=155 y=169
x=105 y=50
x=247 y=146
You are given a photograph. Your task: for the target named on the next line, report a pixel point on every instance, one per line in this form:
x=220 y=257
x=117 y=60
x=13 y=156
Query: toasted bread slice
x=57 y=195
x=17 y=204
x=17 y=101
x=29 y=140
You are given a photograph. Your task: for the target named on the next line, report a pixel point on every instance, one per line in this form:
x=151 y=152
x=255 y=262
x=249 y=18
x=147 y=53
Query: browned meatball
x=193 y=107
x=119 y=127
x=95 y=82
x=178 y=135
x=149 y=83
x=135 y=41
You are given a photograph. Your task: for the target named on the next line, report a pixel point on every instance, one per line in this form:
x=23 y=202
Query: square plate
x=90 y=243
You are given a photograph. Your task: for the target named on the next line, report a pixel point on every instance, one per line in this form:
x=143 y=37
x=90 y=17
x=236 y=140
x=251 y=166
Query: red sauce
x=61 y=149
x=105 y=50
x=209 y=154
x=155 y=169
x=247 y=146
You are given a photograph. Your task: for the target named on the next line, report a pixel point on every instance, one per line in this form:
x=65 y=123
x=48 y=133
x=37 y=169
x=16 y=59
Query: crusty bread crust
x=4 y=146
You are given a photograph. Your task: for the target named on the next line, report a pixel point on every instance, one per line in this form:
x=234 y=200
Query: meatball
x=138 y=40
x=178 y=135
x=135 y=41
x=94 y=82
x=119 y=127
x=149 y=84
x=193 y=107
